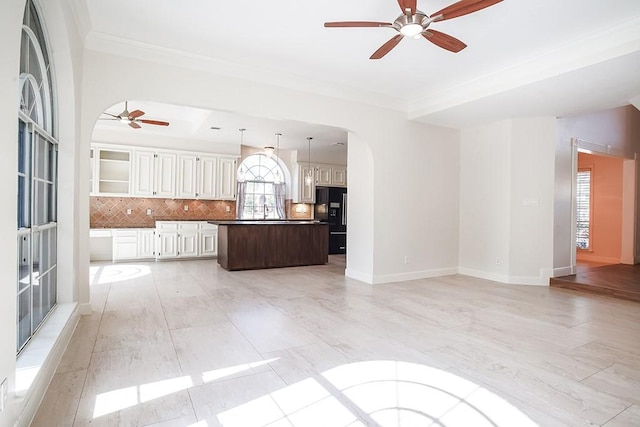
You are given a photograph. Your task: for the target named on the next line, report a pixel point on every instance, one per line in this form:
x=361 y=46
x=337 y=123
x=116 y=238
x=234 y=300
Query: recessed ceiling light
x=338 y=143
x=215 y=128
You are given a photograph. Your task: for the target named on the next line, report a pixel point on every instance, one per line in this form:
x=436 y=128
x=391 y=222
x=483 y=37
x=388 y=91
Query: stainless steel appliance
x=331 y=207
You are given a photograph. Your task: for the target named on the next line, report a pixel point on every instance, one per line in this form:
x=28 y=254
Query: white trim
x=85 y=309
x=43 y=354
x=413 y=275
x=24 y=78
x=510 y=280
x=358 y=275
x=144 y=51
x=48 y=114
x=562 y=271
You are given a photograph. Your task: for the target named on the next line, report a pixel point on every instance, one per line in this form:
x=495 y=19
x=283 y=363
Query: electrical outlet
x=227 y=209
x=186 y=207
x=148 y=211
x=498 y=260
x=406 y=259
x=4 y=393
x=128 y=211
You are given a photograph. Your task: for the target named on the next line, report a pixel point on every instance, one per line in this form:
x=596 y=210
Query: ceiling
x=224 y=127
x=566 y=57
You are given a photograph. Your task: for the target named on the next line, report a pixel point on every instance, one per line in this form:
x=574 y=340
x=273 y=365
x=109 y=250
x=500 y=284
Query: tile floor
x=188 y=343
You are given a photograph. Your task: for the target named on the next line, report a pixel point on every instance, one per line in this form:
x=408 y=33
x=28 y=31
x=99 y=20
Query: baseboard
x=413 y=275
x=358 y=275
x=85 y=309
x=46 y=352
x=561 y=271
x=636 y=260
x=510 y=280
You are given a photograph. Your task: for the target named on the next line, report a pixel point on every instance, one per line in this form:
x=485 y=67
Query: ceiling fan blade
x=443 y=40
x=356 y=24
x=408 y=4
x=386 y=48
x=135 y=114
x=153 y=122
x=463 y=7
x=112 y=115
x=134 y=125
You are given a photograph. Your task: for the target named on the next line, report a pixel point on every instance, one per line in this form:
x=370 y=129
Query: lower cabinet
x=132 y=243
x=186 y=239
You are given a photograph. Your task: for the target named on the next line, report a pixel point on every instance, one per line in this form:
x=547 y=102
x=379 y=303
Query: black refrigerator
x=331 y=207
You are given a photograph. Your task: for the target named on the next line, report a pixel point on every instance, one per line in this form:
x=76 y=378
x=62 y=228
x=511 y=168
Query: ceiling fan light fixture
x=411 y=30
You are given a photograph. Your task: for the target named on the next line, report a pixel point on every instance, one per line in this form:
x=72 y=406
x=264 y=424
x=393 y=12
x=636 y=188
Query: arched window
x=37 y=181
x=261 y=189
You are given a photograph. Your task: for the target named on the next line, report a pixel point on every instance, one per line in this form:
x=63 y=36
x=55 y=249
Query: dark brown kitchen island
x=247 y=245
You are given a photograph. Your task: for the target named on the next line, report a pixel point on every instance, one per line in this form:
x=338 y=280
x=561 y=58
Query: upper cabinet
x=154 y=174
x=323 y=175
x=331 y=175
x=111 y=171
x=227 y=178
x=197 y=176
x=162 y=173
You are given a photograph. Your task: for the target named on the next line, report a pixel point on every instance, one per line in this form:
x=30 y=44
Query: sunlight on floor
x=116 y=400
x=225 y=372
x=102 y=274
x=389 y=393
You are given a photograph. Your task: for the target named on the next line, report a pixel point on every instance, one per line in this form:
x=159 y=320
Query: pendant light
x=308 y=179
x=278 y=178
x=241 y=170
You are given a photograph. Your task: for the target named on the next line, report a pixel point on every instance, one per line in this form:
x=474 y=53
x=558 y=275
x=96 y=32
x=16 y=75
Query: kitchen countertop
x=268 y=222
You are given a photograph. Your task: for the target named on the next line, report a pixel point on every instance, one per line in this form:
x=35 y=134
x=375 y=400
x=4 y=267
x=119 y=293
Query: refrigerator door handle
x=338 y=232
x=344 y=208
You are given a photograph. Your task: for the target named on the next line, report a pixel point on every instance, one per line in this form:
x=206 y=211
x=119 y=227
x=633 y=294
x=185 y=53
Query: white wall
x=506 y=200
x=66 y=52
x=485 y=189
x=415 y=164
x=10 y=27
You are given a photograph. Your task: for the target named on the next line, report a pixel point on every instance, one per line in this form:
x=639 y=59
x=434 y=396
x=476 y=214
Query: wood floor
x=618 y=281
x=187 y=343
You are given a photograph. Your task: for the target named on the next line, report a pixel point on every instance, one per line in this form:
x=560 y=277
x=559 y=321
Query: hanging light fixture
x=308 y=179
x=241 y=170
x=268 y=151
x=278 y=178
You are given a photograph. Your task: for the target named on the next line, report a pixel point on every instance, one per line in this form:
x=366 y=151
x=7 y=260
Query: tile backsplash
x=124 y=212
x=113 y=212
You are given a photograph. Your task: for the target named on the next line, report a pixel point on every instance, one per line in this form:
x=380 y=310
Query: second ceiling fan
x=133 y=118
x=415 y=23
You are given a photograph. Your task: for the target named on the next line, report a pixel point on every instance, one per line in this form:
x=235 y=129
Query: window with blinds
x=583 y=209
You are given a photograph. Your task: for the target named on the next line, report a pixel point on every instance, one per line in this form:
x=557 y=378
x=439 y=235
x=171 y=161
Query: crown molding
x=611 y=43
x=106 y=43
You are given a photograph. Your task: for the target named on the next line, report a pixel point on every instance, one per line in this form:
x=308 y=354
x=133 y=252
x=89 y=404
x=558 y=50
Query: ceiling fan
x=415 y=23
x=132 y=118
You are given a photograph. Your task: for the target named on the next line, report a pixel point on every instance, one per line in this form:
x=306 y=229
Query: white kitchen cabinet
x=208 y=239
x=92 y=171
x=146 y=243
x=304 y=191
x=226 y=178
x=125 y=244
x=187 y=186
x=186 y=239
x=155 y=174
x=323 y=175
x=133 y=243
x=207 y=177
x=112 y=172
x=339 y=176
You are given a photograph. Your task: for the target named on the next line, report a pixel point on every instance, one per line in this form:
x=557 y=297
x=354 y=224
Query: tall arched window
x=37 y=181
x=261 y=189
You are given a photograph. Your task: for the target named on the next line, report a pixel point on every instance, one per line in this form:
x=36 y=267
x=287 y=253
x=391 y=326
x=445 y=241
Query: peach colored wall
x=606 y=228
